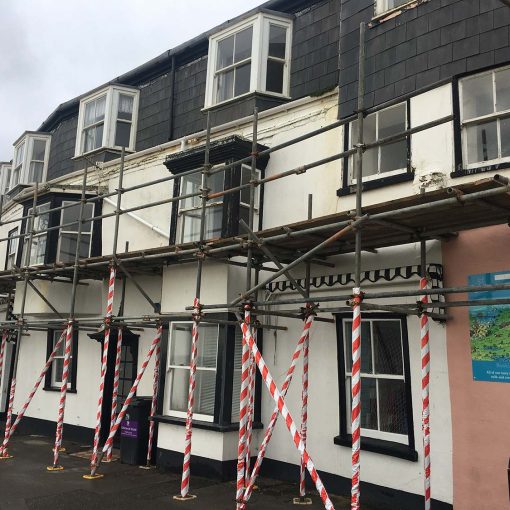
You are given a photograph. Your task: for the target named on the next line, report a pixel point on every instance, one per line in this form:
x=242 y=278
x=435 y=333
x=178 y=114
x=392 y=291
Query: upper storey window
x=485 y=117
x=253 y=56
x=30 y=162
x=5 y=178
x=108 y=119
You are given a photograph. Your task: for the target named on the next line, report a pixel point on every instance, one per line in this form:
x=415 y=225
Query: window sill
x=376 y=183
x=389 y=448
x=480 y=170
x=101 y=149
x=396 y=11
x=205 y=425
x=51 y=388
x=247 y=95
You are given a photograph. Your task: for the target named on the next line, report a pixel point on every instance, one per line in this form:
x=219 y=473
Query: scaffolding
x=271 y=252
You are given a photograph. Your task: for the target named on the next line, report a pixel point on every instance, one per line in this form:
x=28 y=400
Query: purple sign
x=129 y=428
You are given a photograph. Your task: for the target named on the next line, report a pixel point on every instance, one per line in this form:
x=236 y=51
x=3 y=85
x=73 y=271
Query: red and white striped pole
x=115 y=391
x=276 y=412
x=63 y=396
x=425 y=381
x=251 y=410
x=104 y=364
x=24 y=408
x=289 y=421
x=186 y=472
x=155 y=389
x=304 y=420
x=356 y=397
x=127 y=403
x=4 y=454
x=243 y=410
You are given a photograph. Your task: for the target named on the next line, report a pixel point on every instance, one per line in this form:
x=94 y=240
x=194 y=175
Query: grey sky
x=54 y=50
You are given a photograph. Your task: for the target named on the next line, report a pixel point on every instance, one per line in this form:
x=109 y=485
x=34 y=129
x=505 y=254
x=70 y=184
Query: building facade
x=445 y=63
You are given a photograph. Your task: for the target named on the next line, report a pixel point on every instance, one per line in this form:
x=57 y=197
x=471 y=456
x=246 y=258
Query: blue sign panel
x=489 y=329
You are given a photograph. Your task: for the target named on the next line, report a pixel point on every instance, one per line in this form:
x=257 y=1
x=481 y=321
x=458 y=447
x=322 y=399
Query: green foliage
x=490 y=339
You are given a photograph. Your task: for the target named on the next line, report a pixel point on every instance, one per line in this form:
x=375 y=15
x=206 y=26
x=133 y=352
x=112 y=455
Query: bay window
x=386 y=410
x=107 y=119
x=485 y=118
x=253 y=56
x=30 y=161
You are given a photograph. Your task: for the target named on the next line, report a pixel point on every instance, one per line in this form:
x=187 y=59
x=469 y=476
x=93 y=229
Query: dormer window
x=107 y=119
x=30 y=162
x=253 y=56
x=5 y=177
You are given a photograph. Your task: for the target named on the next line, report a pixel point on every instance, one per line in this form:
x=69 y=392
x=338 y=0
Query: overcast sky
x=54 y=50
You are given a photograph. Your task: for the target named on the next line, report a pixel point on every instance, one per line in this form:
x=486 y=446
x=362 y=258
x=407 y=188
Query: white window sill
x=244 y=96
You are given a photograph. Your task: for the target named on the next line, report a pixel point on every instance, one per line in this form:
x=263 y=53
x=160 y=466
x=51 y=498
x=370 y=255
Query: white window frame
x=169 y=368
x=496 y=116
x=5 y=178
x=379 y=174
x=65 y=230
x=24 y=167
x=260 y=49
x=112 y=94
x=54 y=384
x=45 y=208
x=382 y=7
x=376 y=434
x=12 y=248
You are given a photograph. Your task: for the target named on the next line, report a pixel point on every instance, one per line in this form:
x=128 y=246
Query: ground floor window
x=386 y=406
x=53 y=379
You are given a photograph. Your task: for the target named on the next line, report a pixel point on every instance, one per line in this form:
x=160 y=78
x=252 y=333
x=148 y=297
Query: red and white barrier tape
x=63 y=393
x=132 y=392
x=115 y=391
x=24 y=408
x=243 y=413
x=425 y=381
x=356 y=397
x=274 y=417
x=3 y=450
x=155 y=388
x=251 y=411
x=191 y=399
x=104 y=364
x=289 y=421
x=304 y=415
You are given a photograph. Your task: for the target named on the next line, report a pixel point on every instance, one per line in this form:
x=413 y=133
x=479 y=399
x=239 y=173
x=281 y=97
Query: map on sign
x=489 y=329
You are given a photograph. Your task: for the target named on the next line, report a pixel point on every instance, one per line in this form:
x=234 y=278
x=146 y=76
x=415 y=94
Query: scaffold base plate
x=6 y=457
x=184 y=498
x=302 y=501
x=92 y=477
x=147 y=467
x=55 y=468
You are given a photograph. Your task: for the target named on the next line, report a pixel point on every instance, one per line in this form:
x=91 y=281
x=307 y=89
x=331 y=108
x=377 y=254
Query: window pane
x=180 y=351
x=370 y=163
x=122 y=134
x=392 y=406
x=394 y=156
x=179 y=384
x=19 y=155
x=243 y=44
x=368 y=403
x=125 y=107
x=477 y=97
x=72 y=214
x=205 y=391
x=392 y=121
x=56 y=337
x=35 y=172
x=277 y=39
x=39 y=149
x=214 y=217
x=366 y=347
x=180 y=348
x=225 y=86
x=38 y=250
x=504 y=125
x=225 y=52
x=207 y=345
x=58 y=365
x=191 y=226
x=274 y=78
x=388 y=347
x=100 y=108
x=503 y=90
x=67 y=248
x=92 y=138
x=191 y=184
x=242 y=81
x=236 y=383
x=482 y=142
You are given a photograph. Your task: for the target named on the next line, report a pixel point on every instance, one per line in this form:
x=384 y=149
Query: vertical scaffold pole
x=3 y=346
x=155 y=389
x=4 y=454
x=357 y=294
x=425 y=378
x=69 y=333
x=107 y=323
x=186 y=463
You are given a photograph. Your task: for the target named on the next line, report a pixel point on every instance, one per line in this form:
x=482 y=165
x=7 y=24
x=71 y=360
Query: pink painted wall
x=480 y=410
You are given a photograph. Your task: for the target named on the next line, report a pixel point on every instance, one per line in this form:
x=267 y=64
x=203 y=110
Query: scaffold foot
x=302 y=501
x=188 y=497
x=54 y=468
x=93 y=477
x=60 y=450
x=6 y=457
x=147 y=467
x=107 y=461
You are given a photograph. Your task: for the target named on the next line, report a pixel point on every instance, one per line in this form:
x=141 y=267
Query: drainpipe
x=340 y=53
x=171 y=101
